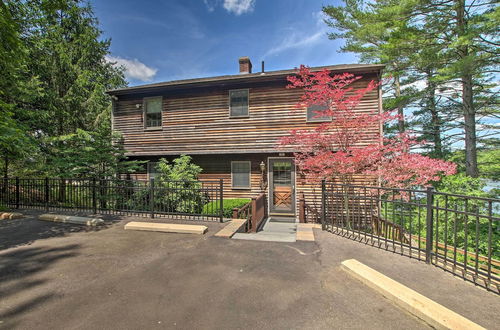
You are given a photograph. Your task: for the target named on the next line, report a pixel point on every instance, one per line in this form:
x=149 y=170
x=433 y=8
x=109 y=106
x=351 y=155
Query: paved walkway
x=57 y=277
x=272 y=232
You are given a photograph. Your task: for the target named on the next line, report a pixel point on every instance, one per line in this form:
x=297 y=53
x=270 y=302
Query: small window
x=152 y=112
x=153 y=171
x=238 y=103
x=314 y=113
x=240 y=174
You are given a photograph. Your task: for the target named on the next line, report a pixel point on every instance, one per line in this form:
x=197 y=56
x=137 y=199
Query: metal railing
x=458 y=233
x=192 y=200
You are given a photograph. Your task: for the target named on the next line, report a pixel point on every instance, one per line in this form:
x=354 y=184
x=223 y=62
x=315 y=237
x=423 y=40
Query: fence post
x=94 y=196
x=47 y=194
x=221 y=187
x=323 y=204
x=152 y=197
x=302 y=208
x=254 y=214
x=17 y=192
x=429 y=220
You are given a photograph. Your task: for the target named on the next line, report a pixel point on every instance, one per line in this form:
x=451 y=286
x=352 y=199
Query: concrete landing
x=272 y=232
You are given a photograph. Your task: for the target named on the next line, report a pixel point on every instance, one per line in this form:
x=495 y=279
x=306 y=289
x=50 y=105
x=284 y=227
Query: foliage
x=57 y=112
x=441 y=57
x=213 y=207
x=97 y=154
x=179 y=185
x=336 y=151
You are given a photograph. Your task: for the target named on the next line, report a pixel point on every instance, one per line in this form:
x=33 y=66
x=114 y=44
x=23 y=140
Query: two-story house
x=230 y=125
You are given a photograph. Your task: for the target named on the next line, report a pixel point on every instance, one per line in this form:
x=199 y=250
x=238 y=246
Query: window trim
x=144 y=108
x=316 y=120
x=248 y=102
x=249 y=174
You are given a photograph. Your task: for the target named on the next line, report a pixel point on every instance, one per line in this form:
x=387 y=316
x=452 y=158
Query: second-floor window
x=314 y=113
x=238 y=103
x=152 y=112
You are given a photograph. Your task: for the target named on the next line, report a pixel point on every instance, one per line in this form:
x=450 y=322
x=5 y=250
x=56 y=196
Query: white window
x=315 y=113
x=152 y=112
x=153 y=171
x=238 y=103
x=240 y=174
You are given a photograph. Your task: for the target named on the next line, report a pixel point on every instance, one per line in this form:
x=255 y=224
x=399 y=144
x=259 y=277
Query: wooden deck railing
x=254 y=211
x=384 y=228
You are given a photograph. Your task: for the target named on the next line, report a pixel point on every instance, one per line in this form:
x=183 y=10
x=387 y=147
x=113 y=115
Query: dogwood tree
x=349 y=145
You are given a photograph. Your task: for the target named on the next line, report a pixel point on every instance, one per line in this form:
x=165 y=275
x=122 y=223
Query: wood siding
x=198 y=122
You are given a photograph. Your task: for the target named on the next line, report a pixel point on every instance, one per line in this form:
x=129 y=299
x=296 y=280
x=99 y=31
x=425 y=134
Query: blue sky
x=175 y=39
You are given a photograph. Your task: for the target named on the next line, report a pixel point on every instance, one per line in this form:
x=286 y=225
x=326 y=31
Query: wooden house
x=230 y=126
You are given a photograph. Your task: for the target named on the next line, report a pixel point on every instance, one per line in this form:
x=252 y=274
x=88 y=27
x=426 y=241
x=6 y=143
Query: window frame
x=144 y=113
x=249 y=174
x=248 y=103
x=317 y=120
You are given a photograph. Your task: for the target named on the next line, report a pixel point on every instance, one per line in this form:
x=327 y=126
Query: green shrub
x=213 y=207
x=3 y=208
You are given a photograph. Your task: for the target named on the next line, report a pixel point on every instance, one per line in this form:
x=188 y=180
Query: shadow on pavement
x=18 y=274
x=25 y=231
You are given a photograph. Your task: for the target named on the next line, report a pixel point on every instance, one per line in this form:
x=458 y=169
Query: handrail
x=254 y=212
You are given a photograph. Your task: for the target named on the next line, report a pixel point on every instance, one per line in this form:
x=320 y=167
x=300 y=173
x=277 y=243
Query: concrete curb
x=424 y=308
x=71 y=219
x=231 y=228
x=166 y=227
x=11 y=215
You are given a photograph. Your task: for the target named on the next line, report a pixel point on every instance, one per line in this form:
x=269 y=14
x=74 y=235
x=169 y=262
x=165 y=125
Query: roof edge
x=367 y=68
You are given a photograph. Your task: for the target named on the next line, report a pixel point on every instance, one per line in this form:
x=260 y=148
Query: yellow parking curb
x=424 y=308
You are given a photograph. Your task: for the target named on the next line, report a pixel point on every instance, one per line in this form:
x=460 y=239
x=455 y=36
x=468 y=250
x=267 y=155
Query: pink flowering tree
x=349 y=145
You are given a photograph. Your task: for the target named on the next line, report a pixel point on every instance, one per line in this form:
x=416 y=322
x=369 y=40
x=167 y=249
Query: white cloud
x=210 y=5
x=134 y=69
x=301 y=37
x=239 y=7
x=295 y=40
x=236 y=7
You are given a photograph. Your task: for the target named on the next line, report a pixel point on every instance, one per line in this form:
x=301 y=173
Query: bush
x=212 y=208
x=3 y=208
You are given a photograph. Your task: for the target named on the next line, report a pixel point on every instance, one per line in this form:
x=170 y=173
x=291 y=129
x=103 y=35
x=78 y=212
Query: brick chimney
x=245 y=65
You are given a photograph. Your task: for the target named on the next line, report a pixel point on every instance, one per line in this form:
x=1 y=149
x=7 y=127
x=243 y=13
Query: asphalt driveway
x=62 y=277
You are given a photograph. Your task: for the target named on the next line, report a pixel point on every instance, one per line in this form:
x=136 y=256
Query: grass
x=213 y=207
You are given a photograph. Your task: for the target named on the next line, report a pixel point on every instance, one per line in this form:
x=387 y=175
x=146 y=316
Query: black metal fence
x=458 y=233
x=193 y=200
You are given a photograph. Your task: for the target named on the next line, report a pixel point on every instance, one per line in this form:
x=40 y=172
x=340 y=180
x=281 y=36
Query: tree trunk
x=468 y=110
x=6 y=166
x=469 y=127
x=401 y=120
x=435 y=120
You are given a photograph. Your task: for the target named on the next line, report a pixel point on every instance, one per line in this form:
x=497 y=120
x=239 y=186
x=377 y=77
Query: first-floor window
x=315 y=113
x=152 y=112
x=240 y=174
x=153 y=171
